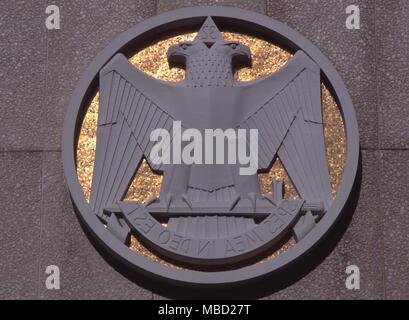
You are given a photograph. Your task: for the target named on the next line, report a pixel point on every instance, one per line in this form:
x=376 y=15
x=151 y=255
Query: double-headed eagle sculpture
x=285 y=108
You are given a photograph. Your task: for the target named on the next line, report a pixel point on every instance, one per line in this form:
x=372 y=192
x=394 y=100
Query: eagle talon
x=168 y=200
x=151 y=201
x=187 y=201
x=251 y=196
x=253 y=200
x=234 y=202
x=269 y=199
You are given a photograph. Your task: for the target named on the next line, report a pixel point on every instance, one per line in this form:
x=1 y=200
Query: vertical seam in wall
x=156 y=13
x=43 y=126
x=378 y=153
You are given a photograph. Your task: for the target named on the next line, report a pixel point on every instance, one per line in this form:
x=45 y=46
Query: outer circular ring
x=247 y=21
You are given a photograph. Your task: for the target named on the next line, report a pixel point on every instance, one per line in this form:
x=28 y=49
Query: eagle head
x=209 y=60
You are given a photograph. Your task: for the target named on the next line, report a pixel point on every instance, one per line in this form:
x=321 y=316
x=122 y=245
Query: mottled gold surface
x=283 y=248
x=138 y=247
x=267 y=58
x=145 y=185
x=335 y=140
x=153 y=59
x=277 y=172
x=86 y=147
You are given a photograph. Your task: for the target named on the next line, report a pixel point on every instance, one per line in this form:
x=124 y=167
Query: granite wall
x=40 y=68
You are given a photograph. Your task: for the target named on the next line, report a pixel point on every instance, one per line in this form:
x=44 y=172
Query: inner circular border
x=271 y=29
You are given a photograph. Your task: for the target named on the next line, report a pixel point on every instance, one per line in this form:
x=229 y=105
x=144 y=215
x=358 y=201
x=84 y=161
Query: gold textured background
x=267 y=58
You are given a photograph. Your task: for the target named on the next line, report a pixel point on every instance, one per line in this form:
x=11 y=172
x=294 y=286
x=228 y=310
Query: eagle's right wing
x=286 y=109
x=131 y=106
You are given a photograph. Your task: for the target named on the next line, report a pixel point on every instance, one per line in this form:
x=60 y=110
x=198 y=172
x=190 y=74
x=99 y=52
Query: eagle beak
x=242 y=57
x=176 y=58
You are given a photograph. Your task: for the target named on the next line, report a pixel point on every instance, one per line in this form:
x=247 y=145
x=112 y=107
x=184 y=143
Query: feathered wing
x=288 y=114
x=127 y=115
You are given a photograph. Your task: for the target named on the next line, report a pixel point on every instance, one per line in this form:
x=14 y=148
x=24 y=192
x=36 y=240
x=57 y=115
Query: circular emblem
x=208 y=138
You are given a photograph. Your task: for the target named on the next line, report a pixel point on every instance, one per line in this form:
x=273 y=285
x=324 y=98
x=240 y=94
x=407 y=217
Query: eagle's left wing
x=131 y=105
x=286 y=109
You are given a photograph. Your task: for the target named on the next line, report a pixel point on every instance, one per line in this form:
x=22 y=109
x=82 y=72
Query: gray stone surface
x=39 y=69
x=254 y=5
x=395 y=208
x=392 y=30
x=86 y=28
x=362 y=245
x=20 y=199
x=84 y=273
x=393 y=104
x=322 y=283
x=352 y=52
x=22 y=75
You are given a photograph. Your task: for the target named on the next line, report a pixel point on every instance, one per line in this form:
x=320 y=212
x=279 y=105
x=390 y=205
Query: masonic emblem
x=211 y=219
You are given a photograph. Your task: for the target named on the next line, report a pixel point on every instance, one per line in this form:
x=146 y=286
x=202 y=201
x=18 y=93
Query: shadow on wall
x=254 y=289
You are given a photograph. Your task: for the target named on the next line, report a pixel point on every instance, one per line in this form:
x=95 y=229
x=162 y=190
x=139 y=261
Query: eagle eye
x=184 y=46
